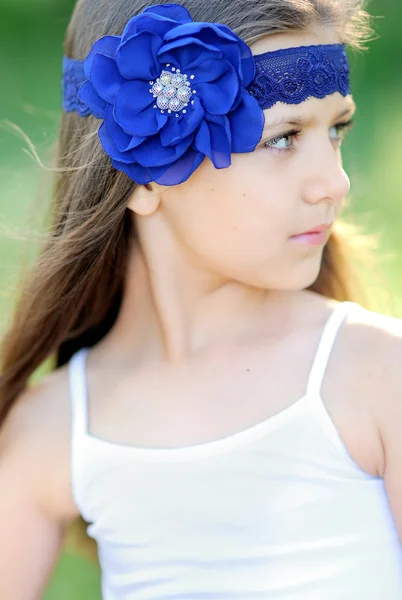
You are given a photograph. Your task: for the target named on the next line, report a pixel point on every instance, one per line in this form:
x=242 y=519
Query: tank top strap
x=78 y=393
x=325 y=346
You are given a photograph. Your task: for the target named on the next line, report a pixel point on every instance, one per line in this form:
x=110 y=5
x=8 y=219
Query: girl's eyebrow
x=307 y=121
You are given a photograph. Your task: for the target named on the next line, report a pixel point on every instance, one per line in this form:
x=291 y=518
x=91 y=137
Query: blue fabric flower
x=170 y=92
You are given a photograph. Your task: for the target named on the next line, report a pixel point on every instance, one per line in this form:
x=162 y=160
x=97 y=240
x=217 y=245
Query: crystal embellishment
x=172 y=90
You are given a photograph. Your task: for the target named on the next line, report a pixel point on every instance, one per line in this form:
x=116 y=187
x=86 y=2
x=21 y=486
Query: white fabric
x=279 y=511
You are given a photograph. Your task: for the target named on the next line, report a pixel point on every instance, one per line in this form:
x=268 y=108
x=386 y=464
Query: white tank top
x=279 y=511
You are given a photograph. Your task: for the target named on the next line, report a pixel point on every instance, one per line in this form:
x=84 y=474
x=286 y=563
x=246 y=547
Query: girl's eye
x=279 y=143
x=343 y=129
x=282 y=140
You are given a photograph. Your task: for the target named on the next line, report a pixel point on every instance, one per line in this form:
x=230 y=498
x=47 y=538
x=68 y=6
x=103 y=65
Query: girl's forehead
x=310 y=111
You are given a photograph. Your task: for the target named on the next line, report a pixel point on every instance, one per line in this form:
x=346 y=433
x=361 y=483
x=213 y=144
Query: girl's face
x=239 y=221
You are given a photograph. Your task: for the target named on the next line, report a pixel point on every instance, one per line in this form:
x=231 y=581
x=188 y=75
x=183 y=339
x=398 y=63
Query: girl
x=224 y=417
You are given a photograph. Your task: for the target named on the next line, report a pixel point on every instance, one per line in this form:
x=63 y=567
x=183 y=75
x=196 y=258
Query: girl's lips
x=313 y=239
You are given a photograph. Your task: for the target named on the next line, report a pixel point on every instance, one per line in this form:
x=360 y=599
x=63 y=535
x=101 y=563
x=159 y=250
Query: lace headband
x=171 y=91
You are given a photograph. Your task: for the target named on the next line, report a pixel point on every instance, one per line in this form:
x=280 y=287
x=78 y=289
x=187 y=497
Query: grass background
x=31 y=50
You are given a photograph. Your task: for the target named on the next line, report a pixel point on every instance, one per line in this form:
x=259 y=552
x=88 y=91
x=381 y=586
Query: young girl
x=225 y=416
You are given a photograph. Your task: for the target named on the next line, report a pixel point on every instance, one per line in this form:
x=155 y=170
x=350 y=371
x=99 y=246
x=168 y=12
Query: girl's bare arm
x=383 y=376
x=32 y=526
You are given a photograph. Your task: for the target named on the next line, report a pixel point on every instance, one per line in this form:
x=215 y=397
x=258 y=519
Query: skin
x=215 y=318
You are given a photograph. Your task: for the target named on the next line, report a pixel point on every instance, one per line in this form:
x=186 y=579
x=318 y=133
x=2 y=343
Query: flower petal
x=176 y=130
x=169 y=175
x=148 y=22
x=152 y=154
x=136 y=56
x=221 y=36
x=188 y=53
x=107 y=45
x=237 y=53
x=88 y=95
x=247 y=124
x=218 y=96
x=121 y=139
x=180 y=171
x=110 y=147
x=203 y=139
x=211 y=70
x=105 y=77
x=214 y=140
x=170 y=11
x=138 y=174
x=210 y=33
x=151 y=23
x=248 y=69
x=133 y=109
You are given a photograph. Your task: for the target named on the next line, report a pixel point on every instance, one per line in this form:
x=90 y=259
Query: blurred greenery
x=31 y=50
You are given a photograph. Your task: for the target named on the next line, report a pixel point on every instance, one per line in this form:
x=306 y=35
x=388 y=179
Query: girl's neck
x=172 y=311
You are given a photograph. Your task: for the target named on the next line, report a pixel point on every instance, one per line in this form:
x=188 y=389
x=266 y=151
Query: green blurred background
x=31 y=50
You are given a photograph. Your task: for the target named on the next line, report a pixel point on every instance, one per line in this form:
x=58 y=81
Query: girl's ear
x=145 y=199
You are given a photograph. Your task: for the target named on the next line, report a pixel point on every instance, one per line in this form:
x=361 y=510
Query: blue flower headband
x=172 y=91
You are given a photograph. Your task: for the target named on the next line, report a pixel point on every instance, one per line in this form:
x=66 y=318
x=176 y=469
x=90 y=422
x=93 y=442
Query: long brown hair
x=71 y=296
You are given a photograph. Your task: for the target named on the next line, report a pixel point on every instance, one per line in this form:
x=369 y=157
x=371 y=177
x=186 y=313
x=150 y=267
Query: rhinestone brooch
x=172 y=90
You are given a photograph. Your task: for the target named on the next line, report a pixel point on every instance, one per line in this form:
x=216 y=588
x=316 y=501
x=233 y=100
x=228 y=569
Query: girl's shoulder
x=366 y=376
x=373 y=342
x=376 y=339
x=36 y=435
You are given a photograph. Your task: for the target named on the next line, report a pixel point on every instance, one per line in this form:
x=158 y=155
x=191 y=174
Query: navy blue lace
x=292 y=75
x=73 y=78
